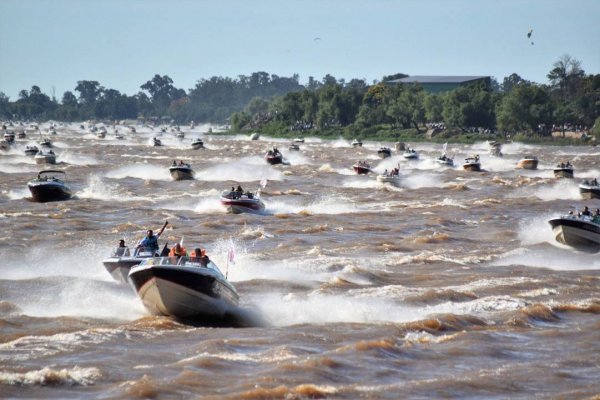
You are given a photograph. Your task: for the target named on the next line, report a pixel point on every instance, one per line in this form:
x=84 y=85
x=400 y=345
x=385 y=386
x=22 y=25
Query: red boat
x=361 y=168
x=240 y=202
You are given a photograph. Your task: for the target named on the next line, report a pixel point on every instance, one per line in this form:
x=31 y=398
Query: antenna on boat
x=230 y=256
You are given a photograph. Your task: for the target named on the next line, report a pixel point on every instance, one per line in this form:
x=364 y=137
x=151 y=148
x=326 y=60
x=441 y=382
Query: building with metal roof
x=437 y=84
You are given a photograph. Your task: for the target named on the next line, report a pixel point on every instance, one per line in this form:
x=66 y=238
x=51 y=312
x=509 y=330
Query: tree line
x=276 y=104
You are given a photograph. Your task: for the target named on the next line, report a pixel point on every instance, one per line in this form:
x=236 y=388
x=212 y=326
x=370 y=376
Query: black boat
x=181 y=171
x=563 y=170
x=183 y=287
x=50 y=185
x=31 y=150
x=384 y=152
x=274 y=156
x=197 y=144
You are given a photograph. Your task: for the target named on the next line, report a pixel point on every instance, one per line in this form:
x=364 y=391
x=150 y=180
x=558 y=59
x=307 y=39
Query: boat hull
x=527 y=164
x=239 y=206
x=361 y=170
x=119 y=267
x=475 y=167
x=580 y=234
x=183 y=292
x=445 y=163
x=384 y=154
x=273 y=160
x=49 y=191
x=182 y=174
x=393 y=180
x=45 y=159
x=563 y=173
x=589 y=192
x=197 y=146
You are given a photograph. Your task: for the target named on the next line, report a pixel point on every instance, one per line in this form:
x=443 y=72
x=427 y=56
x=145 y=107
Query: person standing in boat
x=151 y=241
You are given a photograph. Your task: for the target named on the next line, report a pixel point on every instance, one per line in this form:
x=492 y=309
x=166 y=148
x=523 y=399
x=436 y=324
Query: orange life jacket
x=175 y=253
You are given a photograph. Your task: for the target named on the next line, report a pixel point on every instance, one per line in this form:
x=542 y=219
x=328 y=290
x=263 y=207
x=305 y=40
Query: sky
x=123 y=43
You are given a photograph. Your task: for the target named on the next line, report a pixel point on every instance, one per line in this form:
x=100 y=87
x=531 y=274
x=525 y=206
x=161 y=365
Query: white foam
x=51 y=376
x=247 y=169
x=141 y=171
x=559 y=259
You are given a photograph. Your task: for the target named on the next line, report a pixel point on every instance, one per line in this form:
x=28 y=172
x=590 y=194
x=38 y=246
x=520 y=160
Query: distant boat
x=410 y=154
x=384 y=152
x=361 y=168
x=495 y=148
x=255 y=136
x=357 y=143
x=563 y=170
x=472 y=164
x=528 y=162
x=239 y=202
x=299 y=140
x=197 y=144
x=156 y=142
x=274 y=156
x=294 y=147
x=45 y=157
x=590 y=189
x=31 y=150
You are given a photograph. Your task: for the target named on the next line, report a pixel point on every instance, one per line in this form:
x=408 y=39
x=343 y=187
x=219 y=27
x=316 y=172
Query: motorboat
x=45 y=157
x=45 y=142
x=294 y=147
x=101 y=134
x=183 y=287
x=445 y=161
x=119 y=136
x=580 y=232
x=4 y=145
x=357 y=143
x=563 y=170
x=9 y=137
x=590 y=189
x=180 y=135
x=255 y=136
x=197 y=144
x=299 y=140
x=122 y=259
x=410 y=154
x=132 y=129
x=361 y=168
x=181 y=171
x=274 y=156
x=494 y=148
x=52 y=131
x=384 y=152
x=392 y=177
x=22 y=135
x=472 y=164
x=239 y=202
x=156 y=142
x=31 y=150
x=50 y=185
x=528 y=162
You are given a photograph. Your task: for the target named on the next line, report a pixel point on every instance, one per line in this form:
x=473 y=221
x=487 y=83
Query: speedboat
x=9 y=137
x=356 y=143
x=119 y=136
x=31 y=150
x=45 y=157
x=563 y=170
x=52 y=131
x=384 y=152
x=181 y=172
x=445 y=161
x=183 y=287
x=197 y=144
x=132 y=129
x=393 y=178
x=274 y=157
x=4 y=145
x=299 y=140
x=495 y=148
x=528 y=162
x=255 y=136
x=22 y=135
x=361 y=168
x=180 y=135
x=294 y=147
x=472 y=164
x=45 y=142
x=410 y=154
x=590 y=189
x=239 y=202
x=121 y=261
x=582 y=233
x=50 y=185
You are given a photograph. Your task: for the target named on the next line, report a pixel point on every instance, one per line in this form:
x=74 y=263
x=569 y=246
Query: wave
x=141 y=171
x=52 y=377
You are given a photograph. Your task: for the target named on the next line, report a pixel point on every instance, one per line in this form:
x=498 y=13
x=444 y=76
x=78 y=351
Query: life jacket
x=197 y=255
x=175 y=253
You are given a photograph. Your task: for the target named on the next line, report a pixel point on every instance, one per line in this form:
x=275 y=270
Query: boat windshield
x=143 y=252
x=121 y=252
x=47 y=175
x=183 y=262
